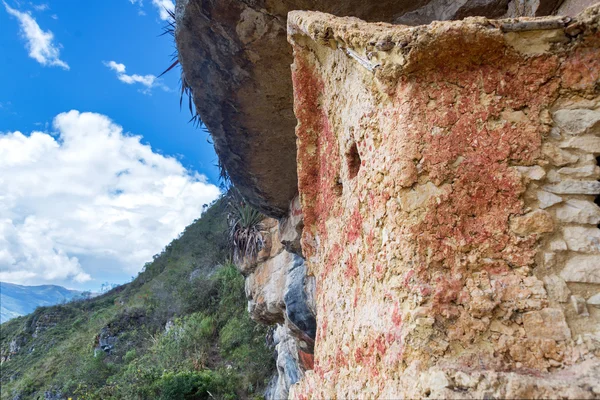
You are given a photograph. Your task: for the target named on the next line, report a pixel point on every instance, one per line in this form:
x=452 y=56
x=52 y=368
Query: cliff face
x=444 y=240
x=447 y=175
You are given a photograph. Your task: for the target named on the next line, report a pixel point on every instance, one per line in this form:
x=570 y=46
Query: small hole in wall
x=338 y=186
x=353 y=161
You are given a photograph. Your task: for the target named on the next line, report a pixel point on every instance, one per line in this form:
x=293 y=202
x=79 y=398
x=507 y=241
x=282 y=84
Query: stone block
x=579 y=306
x=534 y=173
x=594 y=300
x=582 y=239
x=578 y=121
x=582 y=268
x=548 y=323
x=570 y=186
x=587 y=143
x=558 y=245
x=557 y=288
x=558 y=157
x=588 y=171
x=547 y=199
x=578 y=211
x=535 y=222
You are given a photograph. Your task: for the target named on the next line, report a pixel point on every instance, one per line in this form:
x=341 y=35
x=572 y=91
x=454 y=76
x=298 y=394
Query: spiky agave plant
x=245 y=230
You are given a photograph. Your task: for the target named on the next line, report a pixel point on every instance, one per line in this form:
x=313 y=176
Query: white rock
x=576 y=122
x=558 y=245
x=437 y=381
x=594 y=300
x=582 y=239
x=580 y=211
x=547 y=199
x=553 y=177
x=534 y=173
x=549 y=260
x=590 y=144
x=589 y=171
x=579 y=306
x=463 y=380
x=574 y=187
x=557 y=156
x=582 y=268
x=557 y=288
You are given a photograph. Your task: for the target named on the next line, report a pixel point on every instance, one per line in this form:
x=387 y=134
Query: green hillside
x=180 y=330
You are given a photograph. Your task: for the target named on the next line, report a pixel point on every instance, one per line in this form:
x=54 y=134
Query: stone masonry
x=447 y=177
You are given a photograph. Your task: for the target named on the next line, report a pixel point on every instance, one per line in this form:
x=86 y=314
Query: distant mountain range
x=17 y=300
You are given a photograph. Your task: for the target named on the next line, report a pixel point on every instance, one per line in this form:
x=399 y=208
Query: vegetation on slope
x=180 y=330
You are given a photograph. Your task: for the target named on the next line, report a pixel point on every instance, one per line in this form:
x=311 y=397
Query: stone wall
x=447 y=176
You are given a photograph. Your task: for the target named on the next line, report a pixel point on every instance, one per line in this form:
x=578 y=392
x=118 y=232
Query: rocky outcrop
x=236 y=60
x=447 y=176
x=279 y=293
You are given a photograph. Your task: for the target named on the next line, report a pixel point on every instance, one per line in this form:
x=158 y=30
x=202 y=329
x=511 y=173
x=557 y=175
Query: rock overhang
x=236 y=60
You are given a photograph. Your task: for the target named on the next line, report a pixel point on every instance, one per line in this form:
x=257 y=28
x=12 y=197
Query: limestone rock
x=594 y=300
x=570 y=186
x=558 y=245
x=548 y=323
x=587 y=143
x=288 y=371
x=578 y=121
x=557 y=288
x=582 y=268
x=547 y=199
x=557 y=156
x=589 y=171
x=579 y=306
x=536 y=222
x=582 y=239
x=296 y=301
x=265 y=288
x=579 y=211
x=534 y=173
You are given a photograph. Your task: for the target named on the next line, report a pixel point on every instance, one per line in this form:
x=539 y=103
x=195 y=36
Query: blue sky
x=90 y=173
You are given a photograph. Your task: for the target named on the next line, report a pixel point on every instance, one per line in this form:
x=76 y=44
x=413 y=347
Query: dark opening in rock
x=353 y=161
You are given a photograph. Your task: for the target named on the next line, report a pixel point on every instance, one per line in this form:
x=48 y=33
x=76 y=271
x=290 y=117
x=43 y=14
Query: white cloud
x=89 y=192
x=163 y=7
x=149 y=81
x=39 y=43
x=41 y=7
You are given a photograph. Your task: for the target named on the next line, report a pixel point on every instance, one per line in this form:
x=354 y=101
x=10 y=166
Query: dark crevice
x=353 y=161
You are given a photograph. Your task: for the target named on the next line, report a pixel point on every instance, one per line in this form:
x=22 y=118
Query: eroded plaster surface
x=447 y=176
